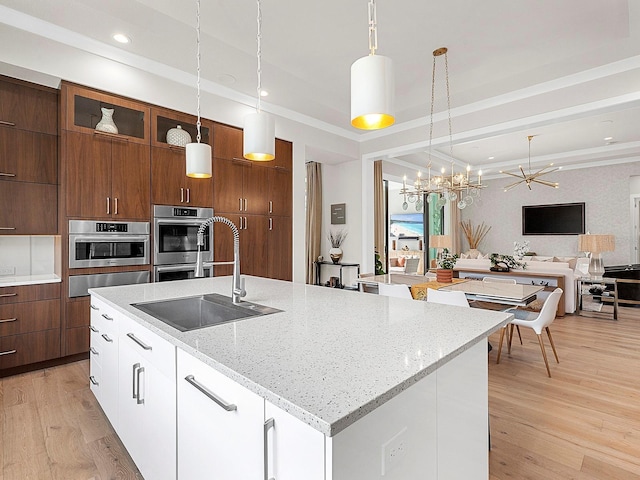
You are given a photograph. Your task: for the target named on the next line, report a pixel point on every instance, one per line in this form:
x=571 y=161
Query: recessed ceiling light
x=491 y=158
x=608 y=138
x=121 y=38
x=225 y=79
x=264 y=93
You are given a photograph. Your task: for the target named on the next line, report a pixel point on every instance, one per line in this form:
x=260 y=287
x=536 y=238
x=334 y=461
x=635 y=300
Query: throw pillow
x=464 y=255
x=401 y=261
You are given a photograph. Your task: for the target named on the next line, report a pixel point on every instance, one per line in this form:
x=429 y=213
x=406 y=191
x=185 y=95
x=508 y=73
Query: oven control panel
x=185 y=212
x=112 y=227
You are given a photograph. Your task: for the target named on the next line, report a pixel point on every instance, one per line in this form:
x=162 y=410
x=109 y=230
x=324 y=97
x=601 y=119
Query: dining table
x=515 y=295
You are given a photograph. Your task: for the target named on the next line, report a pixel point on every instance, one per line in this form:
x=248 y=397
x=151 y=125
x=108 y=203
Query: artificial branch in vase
x=336 y=239
x=474 y=234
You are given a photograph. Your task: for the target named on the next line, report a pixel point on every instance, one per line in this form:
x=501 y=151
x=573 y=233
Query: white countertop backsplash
x=331 y=356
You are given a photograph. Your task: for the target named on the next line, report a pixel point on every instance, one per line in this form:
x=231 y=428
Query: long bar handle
x=2 y=174
x=139 y=400
x=139 y=342
x=106 y=338
x=245 y=204
x=270 y=223
x=8 y=352
x=270 y=206
x=181 y=194
x=93 y=329
x=229 y=407
x=8 y=294
x=93 y=307
x=107 y=317
x=8 y=124
x=93 y=380
x=188 y=195
x=268 y=425
x=7 y=228
x=240 y=205
x=108 y=206
x=9 y=320
x=133 y=380
x=115 y=206
x=94 y=351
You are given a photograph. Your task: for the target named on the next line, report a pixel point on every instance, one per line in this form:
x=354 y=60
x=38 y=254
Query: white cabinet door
x=147 y=400
x=220 y=425
x=294 y=449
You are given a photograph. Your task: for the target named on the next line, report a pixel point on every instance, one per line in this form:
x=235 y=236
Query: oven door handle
x=109 y=238
x=178 y=268
x=196 y=222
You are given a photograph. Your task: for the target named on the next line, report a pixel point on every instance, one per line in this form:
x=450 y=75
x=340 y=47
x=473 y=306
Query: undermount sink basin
x=191 y=313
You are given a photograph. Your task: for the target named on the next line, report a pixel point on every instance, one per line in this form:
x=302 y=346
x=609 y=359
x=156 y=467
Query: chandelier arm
x=544 y=171
x=524 y=175
x=544 y=182
x=512 y=174
x=510 y=186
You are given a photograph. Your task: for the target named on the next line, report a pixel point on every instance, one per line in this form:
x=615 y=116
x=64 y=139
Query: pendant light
x=527 y=177
x=259 y=142
x=198 y=154
x=372 y=84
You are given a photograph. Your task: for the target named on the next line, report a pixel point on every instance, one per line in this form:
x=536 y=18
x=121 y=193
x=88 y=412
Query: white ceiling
x=566 y=71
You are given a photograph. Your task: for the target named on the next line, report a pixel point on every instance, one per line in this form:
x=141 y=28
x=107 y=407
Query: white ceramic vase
x=335 y=254
x=106 y=123
x=177 y=136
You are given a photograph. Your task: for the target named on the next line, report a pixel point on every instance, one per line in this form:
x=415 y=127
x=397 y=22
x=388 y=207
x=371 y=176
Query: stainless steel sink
x=191 y=313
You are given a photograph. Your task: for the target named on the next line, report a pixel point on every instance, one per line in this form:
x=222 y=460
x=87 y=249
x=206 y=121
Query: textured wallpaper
x=605 y=191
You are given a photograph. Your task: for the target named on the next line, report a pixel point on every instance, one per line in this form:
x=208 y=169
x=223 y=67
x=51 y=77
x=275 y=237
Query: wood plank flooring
x=582 y=424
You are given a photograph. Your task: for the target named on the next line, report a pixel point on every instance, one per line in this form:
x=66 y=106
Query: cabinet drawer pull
x=245 y=204
x=115 y=206
x=93 y=307
x=271 y=224
x=2 y=174
x=8 y=320
x=133 y=379
x=229 y=407
x=106 y=338
x=108 y=206
x=8 y=352
x=270 y=206
x=139 y=400
x=94 y=351
x=188 y=195
x=8 y=124
x=268 y=425
x=93 y=329
x=107 y=317
x=7 y=228
x=182 y=195
x=139 y=342
x=240 y=204
x=93 y=380
x=8 y=294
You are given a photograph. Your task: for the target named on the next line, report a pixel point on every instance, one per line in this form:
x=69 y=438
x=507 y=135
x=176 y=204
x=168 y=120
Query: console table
x=549 y=281
x=583 y=290
x=318 y=266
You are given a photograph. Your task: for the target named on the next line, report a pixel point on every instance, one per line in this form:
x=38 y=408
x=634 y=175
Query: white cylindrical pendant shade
x=372 y=92
x=259 y=137
x=198 y=160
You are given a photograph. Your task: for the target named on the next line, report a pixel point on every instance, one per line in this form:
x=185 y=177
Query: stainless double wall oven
x=175 y=245
x=95 y=244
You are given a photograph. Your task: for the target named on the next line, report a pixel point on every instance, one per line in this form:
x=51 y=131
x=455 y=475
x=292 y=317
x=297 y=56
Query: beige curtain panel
x=379 y=216
x=313 y=228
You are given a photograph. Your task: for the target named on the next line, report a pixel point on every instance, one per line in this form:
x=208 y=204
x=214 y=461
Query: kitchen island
x=363 y=386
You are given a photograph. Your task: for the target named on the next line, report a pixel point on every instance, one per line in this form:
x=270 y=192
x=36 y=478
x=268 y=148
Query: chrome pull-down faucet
x=237 y=289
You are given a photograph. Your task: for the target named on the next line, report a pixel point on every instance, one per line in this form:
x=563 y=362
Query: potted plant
x=446 y=262
x=336 y=239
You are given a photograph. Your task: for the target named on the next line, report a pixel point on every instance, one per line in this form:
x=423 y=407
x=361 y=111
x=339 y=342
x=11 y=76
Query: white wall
x=605 y=191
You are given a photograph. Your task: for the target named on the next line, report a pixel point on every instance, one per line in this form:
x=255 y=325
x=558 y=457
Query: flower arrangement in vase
x=446 y=262
x=336 y=239
x=520 y=248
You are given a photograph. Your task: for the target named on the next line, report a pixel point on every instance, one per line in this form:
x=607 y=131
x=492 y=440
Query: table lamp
x=439 y=242
x=595 y=245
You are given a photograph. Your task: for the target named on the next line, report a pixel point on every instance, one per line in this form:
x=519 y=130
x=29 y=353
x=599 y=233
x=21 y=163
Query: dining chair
x=394 y=290
x=537 y=322
x=458 y=299
x=511 y=281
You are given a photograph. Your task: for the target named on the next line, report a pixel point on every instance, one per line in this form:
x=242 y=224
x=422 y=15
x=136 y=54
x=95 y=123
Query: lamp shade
x=372 y=92
x=259 y=142
x=596 y=243
x=198 y=160
x=440 y=241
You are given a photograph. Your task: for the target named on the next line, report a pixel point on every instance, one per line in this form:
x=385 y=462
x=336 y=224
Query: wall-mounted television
x=557 y=219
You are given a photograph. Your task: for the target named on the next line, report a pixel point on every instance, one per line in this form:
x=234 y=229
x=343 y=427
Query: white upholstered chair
x=537 y=322
x=394 y=290
x=448 y=298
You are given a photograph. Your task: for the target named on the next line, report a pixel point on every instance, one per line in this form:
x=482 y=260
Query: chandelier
x=458 y=188
x=530 y=178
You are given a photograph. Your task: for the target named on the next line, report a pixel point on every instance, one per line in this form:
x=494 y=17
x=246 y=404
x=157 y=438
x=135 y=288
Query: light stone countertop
x=18 y=280
x=331 y=356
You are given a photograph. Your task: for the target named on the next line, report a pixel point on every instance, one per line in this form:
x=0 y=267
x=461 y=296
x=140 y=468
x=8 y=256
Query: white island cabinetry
x=147 y=400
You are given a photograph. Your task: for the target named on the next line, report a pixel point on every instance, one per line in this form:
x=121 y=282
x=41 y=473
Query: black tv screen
x=559 y=219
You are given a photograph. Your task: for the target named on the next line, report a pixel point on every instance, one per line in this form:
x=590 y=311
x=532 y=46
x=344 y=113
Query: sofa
x=406 y=261
x=565 y=266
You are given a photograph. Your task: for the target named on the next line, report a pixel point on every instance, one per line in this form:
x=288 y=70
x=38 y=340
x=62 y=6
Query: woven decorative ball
x=177 y=136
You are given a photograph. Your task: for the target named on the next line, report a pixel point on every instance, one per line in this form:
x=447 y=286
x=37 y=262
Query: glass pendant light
x=372 y=85
x=259 y=142
x=198 y=154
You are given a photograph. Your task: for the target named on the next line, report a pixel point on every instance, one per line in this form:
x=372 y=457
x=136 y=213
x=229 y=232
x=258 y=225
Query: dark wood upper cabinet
x=227 y=142
x=163 y=120
x=28 y=208
x=28 y=156
x=82 y=111
x=284 y=155
x=26 y=106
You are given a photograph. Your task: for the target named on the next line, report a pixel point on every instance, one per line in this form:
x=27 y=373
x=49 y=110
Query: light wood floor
x=582 y=424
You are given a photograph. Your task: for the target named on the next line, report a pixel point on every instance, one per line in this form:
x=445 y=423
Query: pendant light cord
x=373 y=28
x=259 y=55
x=198 y=67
